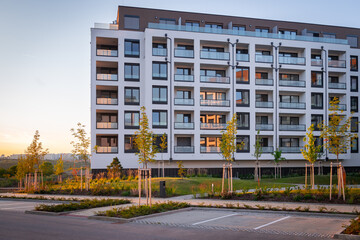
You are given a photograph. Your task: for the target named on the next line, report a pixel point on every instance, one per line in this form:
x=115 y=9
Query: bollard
x=162 y=189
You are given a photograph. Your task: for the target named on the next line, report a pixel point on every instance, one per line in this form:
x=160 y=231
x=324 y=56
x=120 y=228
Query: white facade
x=199 y=157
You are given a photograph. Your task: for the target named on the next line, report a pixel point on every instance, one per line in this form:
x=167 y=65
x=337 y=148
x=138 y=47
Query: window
x=212 y=118
x=242 y=75
x=317 y=101
x=132 y=96
x=316 y=120
x=242 y=51
x=214 y=25
x=312 y=34
x=183 y=94
x=129 y=144
x=132 y=72
x=355 y=145
x=262 y=120
x=242 y=98
x=353 y=63
x=132 y=119
x=212 y=73
x=192 y=24
x=288 y=33
x=354 y=124
x=287 y=54
x=106 y=118
x=183 y=118
x=316 y=79
x=353 y=41
x=243 y=120
x=167 y=21
x=289 y=77
x=159 y=49
x=213 y=49
x=104 y=142
x=329 y=35
x=261 y=30
x=354 y=84
x=159 y=118
x=132 y=48
x=183 y=71
x=354 y=101
x=316 y=56
x=210 y=144
x=319 y=142
x=261 y=75
x=106 y=97
x=212 y=96
x=159 y=95
x=261 y=97
x=184 y=141
x=289 y=98
x=159 y=70
x=285 y=120
x=333 y=79
x=131 y=22
x=243 y=143
x=289 y=142
x=238 y=28
x=158 y=141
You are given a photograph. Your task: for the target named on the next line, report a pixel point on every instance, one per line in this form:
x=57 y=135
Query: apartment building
x=193 y=71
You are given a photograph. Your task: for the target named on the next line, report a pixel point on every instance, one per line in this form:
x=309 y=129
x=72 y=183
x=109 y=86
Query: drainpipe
x=170 y=94
x=324 y=70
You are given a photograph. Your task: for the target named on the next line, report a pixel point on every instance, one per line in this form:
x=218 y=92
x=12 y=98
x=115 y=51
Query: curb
x=47 y=213
x=346 y=236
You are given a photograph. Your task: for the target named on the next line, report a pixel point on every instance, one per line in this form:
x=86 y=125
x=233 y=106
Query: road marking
x=271 y=223
x=17 y=207
x=213 y=219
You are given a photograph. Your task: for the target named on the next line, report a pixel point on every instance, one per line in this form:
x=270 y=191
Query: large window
x=354 y=82
x=159 y=70
x=354 y=63
x=239 y=27
x=354 y=101
x=132 y=72
x=289 y=142
x=129 y=144
x=243 y=120
x=289 y=77
x=355 y=145
x=288 y=32
x=354 y=124
x=131 y=22
x=262 y=30
x=353 y=41
x=212 y=73
x=243 y=143
x=289 y=98
x=214 y=25
x=158 y=141
x=132 y=48
x=212 y=96
x=285 y=120
x=212 y=118
x=317 y=101
x=105 y=143
x=316 y=119
x=242 y=75
x=159 y=118
x=316 y=79
x=242 y=98
x=170 y=21
x=132 y=96
x=159 y=95
x=132 y=119
x=194 y=24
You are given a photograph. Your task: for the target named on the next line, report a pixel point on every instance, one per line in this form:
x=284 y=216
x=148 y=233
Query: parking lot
x=20 y=205
x=307 y=225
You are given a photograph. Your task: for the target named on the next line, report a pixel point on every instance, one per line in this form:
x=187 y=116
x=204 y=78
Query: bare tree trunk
x=256 y=171
x=81 y=179
x=139 y=184
x=330 y=179
x=223 y=176
x=35 y=180
x=150 y=186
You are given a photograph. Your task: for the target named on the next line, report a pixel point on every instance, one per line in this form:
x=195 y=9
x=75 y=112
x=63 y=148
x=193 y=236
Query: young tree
x=277 y=158
x=21 y=170
x=311 y=152
x=115 y=168
x=47 y=168
x=181 y=171
x=257 y=155
x=163 y=148
x=59 y=168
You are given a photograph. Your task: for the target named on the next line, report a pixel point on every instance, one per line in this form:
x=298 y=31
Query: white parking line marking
x=271 y=223
x=213 y=219
x=16 y=207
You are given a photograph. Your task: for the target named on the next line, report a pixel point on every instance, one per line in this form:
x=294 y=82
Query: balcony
x=292 y=105
x=133 y=101
x=341 y=107
x=212 y=126
x=259 y=104
x=159 y=52
x=210 y=149
x=263 y=58
x=242 y=57
x=292 y=60
x=289 y=83
x=264 y=127
x=214 y=55
x=184 y=125
x=184 y=101
x=106 y=53
x=337 y=85
x=316 y=62
x=288 y=127
x=290 y=149
x=213 y=79
x=106 y=101
x=106 y=149
x=107 y=125
x=106 y=77
x=183 y=149
x=184 y=78
x=268 y=149
x=264 y=82
x=184 y=53
x=214 y=103
x=337 y=63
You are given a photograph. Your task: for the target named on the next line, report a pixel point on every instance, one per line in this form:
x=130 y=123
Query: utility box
x=162 y=189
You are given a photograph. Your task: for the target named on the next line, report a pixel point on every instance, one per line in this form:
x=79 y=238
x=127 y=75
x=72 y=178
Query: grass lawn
x=321 y=180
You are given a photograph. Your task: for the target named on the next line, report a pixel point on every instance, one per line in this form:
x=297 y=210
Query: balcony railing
x=212 y=126
x=184 y=78
x=341 y=107
x=159 y=52
x=132 y=77
x=185 y=53
x=213 y=79
x=107 y=125
x=184 y=101
x=210 y=149
x=215 y=103
x=337 y=63
x=106 y=77
x=132 y=125
x=100 y=149
x=290 y=149
x=292 y=105
x=184 y=149
x=264 y=127
x=107 y=101
x=337 y=85
x=264 y=104
x=316 y=62
x=289 y=127
x=242 y=57
x=184 y=125
x=263 y=58
x=132 y=101
x=292 y=60
x=289 y=83
x=214 y=55
x=132 y=53
x=107 y=53
x=268 y=149
x=265 y=82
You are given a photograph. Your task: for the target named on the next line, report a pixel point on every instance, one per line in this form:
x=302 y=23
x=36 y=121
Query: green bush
x=354 y=227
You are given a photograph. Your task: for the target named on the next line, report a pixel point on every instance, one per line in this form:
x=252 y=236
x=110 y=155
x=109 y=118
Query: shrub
x=354 y=227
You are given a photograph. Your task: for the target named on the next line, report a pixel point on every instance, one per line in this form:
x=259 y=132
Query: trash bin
x=162 y=189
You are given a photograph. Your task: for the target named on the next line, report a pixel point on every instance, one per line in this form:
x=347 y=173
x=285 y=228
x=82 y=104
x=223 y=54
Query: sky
x=45 y=56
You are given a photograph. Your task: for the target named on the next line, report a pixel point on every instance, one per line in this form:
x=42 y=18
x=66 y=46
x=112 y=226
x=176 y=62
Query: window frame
x=132 y=139
x=132 y=94
x=242 y=69
x=134 y=17
x=246 y=117
x=247 y=146
x=356 y=105
x=132 y=70
x=357 y=63
x=357 y=84
x=159 y=88
x=322 y=100
x=243 y=104
x=159 y=111
x=132 y=119
x=132 y=41
x=159 y=68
